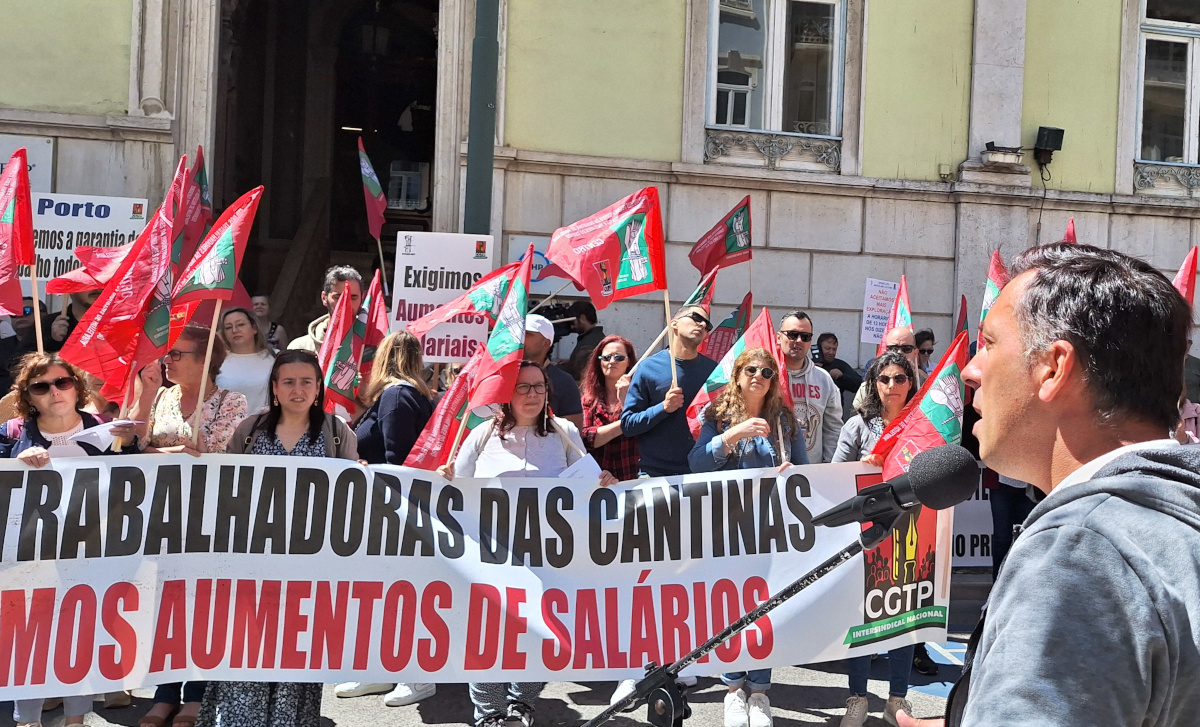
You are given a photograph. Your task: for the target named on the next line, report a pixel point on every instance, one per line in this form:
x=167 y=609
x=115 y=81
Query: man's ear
x=1055 y=370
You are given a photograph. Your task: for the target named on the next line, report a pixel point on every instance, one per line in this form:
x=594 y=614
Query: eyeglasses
x=766 y=371
x=898 y=379
x=905 y=349
x=926 y=351
x=611 y=357
x=800 y=335
x=700 y=319
x=176 y=355
x=524 y=389
x=41 y=388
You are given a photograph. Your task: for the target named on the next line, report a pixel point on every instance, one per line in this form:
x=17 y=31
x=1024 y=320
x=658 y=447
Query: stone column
x=997 y=90
x=197 y=108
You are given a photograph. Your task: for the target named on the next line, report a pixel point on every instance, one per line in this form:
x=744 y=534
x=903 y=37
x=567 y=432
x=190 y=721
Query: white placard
x=432 y=269
x=877 y=306
x=39 y=152
x=517 y=245
x=62 y=222
x=973 y=531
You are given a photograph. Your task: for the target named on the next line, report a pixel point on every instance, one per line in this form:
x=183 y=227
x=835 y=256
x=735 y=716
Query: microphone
x=938 y=478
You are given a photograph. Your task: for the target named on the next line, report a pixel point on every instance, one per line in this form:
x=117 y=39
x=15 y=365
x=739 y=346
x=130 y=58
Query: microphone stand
x=665 y=702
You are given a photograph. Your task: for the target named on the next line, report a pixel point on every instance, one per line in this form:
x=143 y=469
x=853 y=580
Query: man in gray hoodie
x=1092 y=620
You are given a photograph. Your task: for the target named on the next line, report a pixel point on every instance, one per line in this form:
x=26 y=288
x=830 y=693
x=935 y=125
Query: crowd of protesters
x=264 y=395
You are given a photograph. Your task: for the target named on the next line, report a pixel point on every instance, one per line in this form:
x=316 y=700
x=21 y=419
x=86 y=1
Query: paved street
x=815 y=694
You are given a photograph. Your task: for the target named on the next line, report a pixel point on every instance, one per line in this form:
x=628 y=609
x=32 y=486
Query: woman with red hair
x=605 y=381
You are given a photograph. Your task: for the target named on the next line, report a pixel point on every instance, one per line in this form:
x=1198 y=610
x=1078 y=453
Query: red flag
x=371 y=327
x=212 y=272
x=481 y=302
x=997 y=278
x=550 y=270
x=338 y=357
x=1185 y=279
x=372 y=192
x=16 y=231
x=432 y=449
x=727 y=243
x=1069 y=235
x=900 y=317
x=197 y=205
x=617 y=252
x=156 y=332
x=703 y=294
x=961 y=325
x=106 y=339
x=505 y=347
x=931 y=418
x=99 y=266
x=728 y=331
x=760 y=334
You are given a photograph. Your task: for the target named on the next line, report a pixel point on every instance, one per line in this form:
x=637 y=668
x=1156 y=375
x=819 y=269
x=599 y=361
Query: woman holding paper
x=523 y=440
x=749 y=426
x=51 y=396
x=891 y=383
x=294 y=425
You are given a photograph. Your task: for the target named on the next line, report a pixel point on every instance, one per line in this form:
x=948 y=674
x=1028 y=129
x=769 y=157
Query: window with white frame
x=776 y=66
x=1170 y=82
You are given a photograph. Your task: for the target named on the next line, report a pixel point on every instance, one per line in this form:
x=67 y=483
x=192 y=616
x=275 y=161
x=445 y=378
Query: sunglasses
x=898 y=379
x=700 y=319
x=766 y=371
x=611 y=357
x=926 y=351
x=41 y=388
x=524 y=389
x=797 y=335
x=905 y=349
x=178 y=355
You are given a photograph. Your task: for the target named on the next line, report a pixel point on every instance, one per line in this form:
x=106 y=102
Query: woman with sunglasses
x=523 y=440
x=748 y=426
x=168 y=414
x=52 y=396
x=891 y=383
x=295 y=425
x=605 y=381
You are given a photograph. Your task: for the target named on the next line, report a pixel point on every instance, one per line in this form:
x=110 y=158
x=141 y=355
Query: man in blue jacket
x=655 y=411
x=1092 y=620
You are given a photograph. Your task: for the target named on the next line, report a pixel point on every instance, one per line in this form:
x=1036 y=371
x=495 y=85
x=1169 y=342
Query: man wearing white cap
x=564 y=396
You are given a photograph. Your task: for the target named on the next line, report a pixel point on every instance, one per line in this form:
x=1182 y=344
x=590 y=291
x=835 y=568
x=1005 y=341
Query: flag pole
x=198 y=415
x=382 y=269
x=646 y=352
x=550 y=297
x=458 y=437
x=670 y=339
x=64 y=304
x=37 y=306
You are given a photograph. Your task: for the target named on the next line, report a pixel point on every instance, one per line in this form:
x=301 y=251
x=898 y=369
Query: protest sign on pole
x=39 y=158
x=63 y=222
x=242 y=568
x=877 y=306
x=432 y=269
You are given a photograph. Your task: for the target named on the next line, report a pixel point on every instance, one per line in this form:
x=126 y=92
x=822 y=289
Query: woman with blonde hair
x=248 y=363
x=748 y=426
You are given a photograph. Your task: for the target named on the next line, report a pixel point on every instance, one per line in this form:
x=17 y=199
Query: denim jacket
x=709 y=453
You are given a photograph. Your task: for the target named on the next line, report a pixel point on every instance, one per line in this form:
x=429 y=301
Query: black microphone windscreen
x=943 y=476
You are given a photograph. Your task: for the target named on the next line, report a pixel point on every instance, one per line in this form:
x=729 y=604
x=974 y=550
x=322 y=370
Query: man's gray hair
x=339 y=274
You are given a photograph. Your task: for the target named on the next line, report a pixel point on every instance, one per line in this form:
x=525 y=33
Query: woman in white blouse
x=523 y=440
x=247 y=367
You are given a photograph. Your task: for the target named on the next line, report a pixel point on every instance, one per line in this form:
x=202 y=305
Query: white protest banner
x=973 y=531
x=432 y=269
x=121 y=572
x=39 y=154
x=877 y=306
x=62 y=222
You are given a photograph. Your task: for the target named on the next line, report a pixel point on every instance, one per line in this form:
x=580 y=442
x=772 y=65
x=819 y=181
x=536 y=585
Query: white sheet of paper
x=100 y=436
x=586 y=467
